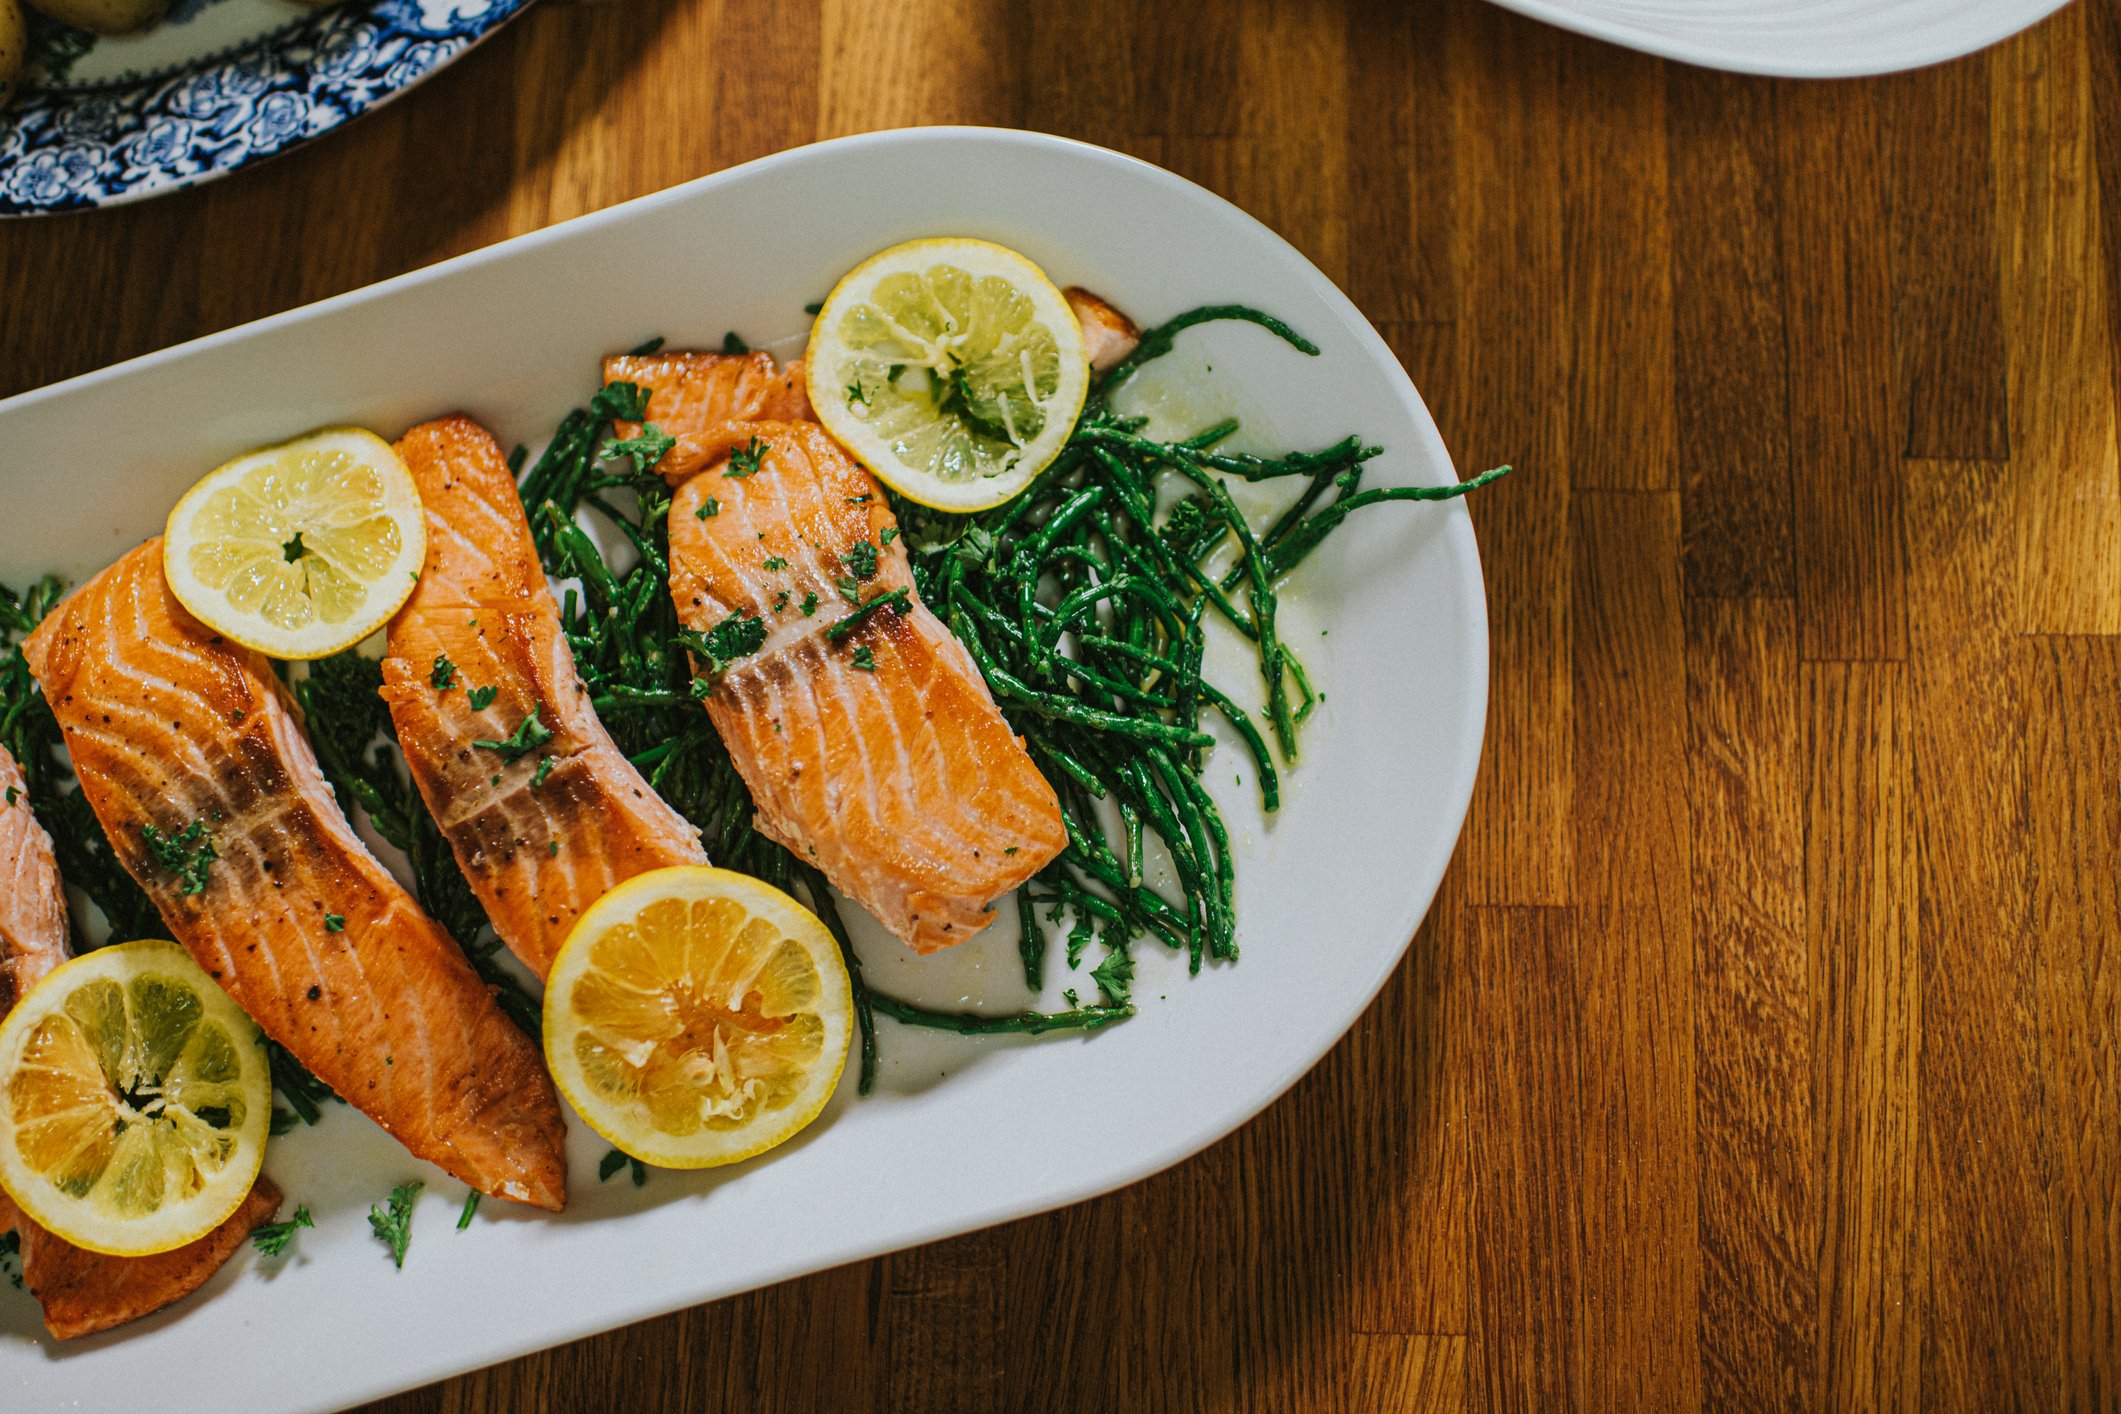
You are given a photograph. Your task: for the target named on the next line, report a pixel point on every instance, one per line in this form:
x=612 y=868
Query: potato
x=103 y=16
x=14 y=39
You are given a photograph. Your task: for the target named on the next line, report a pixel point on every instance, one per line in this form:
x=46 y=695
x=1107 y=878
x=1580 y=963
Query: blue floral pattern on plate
x=64 y=149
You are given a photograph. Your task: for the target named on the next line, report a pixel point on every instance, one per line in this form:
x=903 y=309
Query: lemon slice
x=951 y=367
x=696 y=1017
x=134 y=1101
x=302 y=549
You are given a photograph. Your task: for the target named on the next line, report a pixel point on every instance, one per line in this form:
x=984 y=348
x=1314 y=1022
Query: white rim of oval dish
x=1797 y=39
x=1330 y=895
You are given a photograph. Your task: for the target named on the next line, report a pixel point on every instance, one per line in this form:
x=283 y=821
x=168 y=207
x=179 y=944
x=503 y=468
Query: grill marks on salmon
x=83 y=1292
x=538 y=842
x=170 y=725
x=698 y=397
x=879 y=756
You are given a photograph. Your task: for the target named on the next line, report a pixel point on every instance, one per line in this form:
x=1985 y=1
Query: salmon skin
x=872 y=748
x=695 y=397
x=83 y=1292
x=185 y=743
x=541 y=833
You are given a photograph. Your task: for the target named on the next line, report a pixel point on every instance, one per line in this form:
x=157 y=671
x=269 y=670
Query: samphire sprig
x=1085 y=603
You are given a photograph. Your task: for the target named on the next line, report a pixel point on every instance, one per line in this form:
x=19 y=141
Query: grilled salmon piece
x=33 y=934
x=544 y=835
x=171 y=726
x=878 y=755
x=1109 y=337
x=692 y=396
x=83 y=1292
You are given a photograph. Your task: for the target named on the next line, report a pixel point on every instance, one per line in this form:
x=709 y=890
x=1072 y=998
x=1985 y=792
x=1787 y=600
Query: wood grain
x=1763 y=1048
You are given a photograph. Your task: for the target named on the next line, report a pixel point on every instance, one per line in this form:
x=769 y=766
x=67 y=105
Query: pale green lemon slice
x=302 y=549
x=952 y=368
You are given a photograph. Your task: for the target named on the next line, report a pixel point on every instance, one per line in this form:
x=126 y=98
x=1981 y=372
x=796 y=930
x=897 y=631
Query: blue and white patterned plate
x=217 y=85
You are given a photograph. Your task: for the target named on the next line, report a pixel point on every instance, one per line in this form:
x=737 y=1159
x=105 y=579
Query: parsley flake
x=620 y=402
x=530 y=733
x=864 y=659
x=738 y=636
x=888 y=534
x=273 y=1238
x=856 y=393
x=537 y=777
x=188 y=855
x=809 y=604
x=444 y=676
x=861 y=559
x=334 y=922
x=775 y=562
x=644 y=449
x=392 y=1222
x=745 y=460
x=708 y=507
x=617 y=1159
x=481 y=698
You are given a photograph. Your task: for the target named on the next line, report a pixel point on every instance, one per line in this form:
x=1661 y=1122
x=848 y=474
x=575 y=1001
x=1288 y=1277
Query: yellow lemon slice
x=696 y=1016
x=302 y=549
x=951 y=367
x=134 y=1101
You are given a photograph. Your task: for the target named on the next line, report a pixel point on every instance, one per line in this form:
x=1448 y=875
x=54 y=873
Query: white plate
x=960 y=1134
x=1799 y=39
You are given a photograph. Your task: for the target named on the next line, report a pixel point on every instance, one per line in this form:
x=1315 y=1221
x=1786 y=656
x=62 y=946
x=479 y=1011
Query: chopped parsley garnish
x=864 y=659
x=809 y=604
x=734 y=345
x=620 y=402
x=392 y=1221
x=530 y=733
x=481 y=698
x=738 y=636
x=273 y=1238
x=537 y=777
x=617 y=1159
x=708 y=507
x=334 y=923
x=444 y=676
x=188 y=855
x=888 y=534
x=861 y=559
x=745 y=460
x=1115 y=975
x=896 y=599
x=775 y=562
x=471 y=1207
x=644 y=449
x=856 y=393
x=780 y=602
x=553 y=848
x=12 y=793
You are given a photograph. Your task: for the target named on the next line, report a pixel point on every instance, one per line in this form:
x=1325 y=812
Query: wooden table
x=1762 y=1046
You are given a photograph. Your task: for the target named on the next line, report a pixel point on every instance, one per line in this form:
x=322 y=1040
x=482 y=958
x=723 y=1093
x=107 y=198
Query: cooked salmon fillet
x=33 y=935
x=880 y=755
x=693 y=396
x=1108 y=336
x=546 y=834
x=83 y=1292
x=170 y=727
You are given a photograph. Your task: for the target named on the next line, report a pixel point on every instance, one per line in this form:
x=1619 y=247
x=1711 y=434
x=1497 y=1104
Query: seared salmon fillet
x=692 y=396
x=171 y=728
x=83 y=1292
x=33 y=935
x=872 y=748
x=542 y=833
